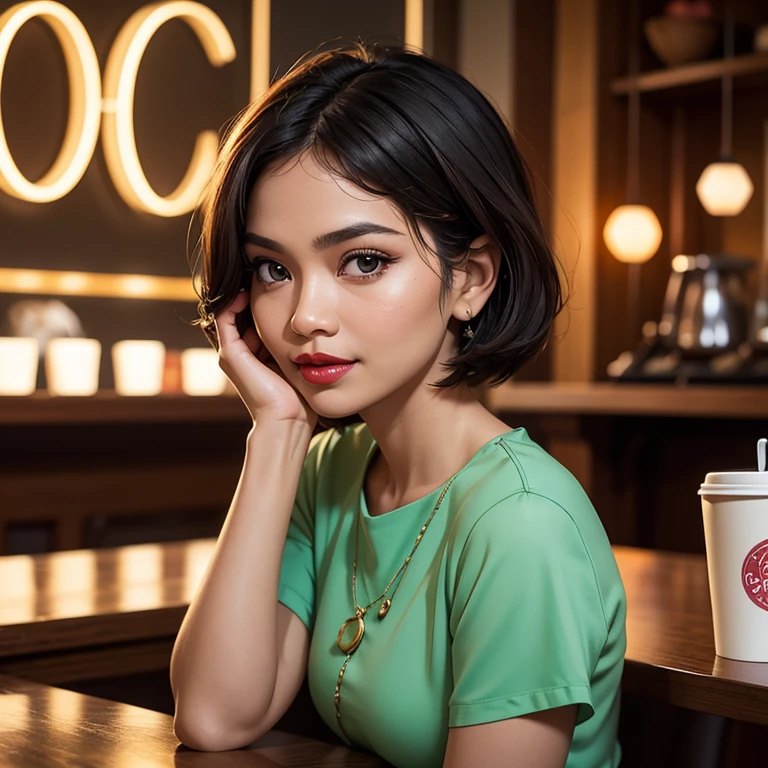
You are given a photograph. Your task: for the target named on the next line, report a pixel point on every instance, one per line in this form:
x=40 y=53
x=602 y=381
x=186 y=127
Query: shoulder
x=524 y=514
x=517 y=479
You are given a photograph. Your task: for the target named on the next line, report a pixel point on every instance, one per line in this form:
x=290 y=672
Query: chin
x=333 y=406
x=329 y=423
x=332 y=413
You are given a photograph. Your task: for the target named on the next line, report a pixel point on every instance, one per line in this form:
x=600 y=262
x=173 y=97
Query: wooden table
x=94 y=613
x=41 y=726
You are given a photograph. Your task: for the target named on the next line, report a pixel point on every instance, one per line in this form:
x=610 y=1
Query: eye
x=268 y=271
x=366 y=264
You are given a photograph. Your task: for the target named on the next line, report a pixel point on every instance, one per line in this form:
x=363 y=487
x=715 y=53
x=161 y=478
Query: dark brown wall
x=300 y=26
x=533 y=41
x=178 y=94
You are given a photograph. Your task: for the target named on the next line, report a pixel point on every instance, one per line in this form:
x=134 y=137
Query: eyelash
x=383 y=260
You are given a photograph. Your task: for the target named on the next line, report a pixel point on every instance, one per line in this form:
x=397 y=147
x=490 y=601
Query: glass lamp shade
x=724 y=188
x=632 y=233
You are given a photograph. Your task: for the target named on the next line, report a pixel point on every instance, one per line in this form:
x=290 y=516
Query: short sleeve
x=296 y=589
x=527 y=620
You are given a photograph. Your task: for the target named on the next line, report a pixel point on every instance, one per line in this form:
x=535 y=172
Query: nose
x=315 y=313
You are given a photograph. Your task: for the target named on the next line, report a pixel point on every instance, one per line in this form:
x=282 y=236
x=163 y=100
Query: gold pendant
x=384 y=609
x=351 y=646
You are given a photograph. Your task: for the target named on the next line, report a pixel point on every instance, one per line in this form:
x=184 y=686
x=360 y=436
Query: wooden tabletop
x=88 y=599
x=42 y=726
x=670 y=640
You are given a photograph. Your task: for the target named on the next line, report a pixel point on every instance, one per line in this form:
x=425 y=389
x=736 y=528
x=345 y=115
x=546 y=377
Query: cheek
x=402 y=316
x=267 y=324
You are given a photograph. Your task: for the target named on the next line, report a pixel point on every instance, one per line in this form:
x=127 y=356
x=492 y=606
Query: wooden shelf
x=108 y=407
x=692 y=74
x=600 y=398
x=609 y=399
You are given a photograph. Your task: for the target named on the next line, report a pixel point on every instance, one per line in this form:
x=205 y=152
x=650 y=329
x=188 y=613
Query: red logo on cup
x=754 y=575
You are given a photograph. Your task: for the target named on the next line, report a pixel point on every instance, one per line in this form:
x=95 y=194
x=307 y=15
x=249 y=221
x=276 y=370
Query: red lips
x=319 y=358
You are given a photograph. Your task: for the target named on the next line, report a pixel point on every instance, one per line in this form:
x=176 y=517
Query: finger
x=225 y=321
x=252 y=341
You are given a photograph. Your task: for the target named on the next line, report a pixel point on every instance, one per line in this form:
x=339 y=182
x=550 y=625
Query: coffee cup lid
x=739 y=483
x=735 y=484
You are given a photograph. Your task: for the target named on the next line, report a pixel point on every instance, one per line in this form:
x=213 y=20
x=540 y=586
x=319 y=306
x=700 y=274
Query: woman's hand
x=253 y=371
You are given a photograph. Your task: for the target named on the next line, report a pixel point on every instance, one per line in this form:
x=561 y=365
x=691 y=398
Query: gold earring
x=468 y=332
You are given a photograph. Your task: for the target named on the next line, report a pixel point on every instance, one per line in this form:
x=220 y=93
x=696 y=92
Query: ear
x=478 y=278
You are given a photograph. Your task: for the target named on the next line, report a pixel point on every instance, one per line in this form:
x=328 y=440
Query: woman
x=370 y=252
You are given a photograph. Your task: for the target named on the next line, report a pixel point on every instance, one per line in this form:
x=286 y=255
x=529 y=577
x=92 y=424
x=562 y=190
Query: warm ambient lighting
x=632 y=233
x=200 y=372
x=72 y=366
x=414 y=24
x=724 y=188
x=119 y=86
x=84 y=79
x=54 y=283
x=260 y=32
x=18 y=365
x=138 y=367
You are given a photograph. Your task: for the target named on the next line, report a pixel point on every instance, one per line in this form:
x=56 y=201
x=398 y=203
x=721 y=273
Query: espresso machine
x=707 y=332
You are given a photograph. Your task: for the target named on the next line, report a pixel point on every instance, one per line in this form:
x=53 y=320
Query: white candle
x=18 y=365
x=72 y=366
x=138 y=367
x=200 y=372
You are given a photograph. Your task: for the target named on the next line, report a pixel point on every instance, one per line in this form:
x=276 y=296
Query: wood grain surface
x=607 y=398
x=95 y=608
x=107 y=407
x=535 y=397
x=42 y=726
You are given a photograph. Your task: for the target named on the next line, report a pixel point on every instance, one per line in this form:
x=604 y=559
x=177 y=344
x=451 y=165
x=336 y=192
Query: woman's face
x=337 y=273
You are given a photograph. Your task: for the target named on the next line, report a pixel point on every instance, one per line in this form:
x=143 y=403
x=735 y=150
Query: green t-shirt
x=512 y=603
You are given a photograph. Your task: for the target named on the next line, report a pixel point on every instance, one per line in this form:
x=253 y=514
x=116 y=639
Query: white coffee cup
x=18 y=365
x=138 y=367
x=72 y=366
x=735 y=511
x=200 y=372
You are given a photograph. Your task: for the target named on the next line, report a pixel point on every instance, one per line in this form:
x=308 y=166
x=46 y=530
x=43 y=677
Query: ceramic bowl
x=680 y=39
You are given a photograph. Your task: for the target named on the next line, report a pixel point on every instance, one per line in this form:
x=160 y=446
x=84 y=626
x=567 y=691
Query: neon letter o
x=84 y=102
x=118 y=133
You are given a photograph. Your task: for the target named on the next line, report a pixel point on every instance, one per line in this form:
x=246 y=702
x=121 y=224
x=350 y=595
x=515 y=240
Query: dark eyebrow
x=326 y=241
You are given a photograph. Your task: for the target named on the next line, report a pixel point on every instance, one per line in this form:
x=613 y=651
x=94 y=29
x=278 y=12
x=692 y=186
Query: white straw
x=761 y=454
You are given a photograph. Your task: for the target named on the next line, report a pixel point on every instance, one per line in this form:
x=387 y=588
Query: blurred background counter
x=110 y=470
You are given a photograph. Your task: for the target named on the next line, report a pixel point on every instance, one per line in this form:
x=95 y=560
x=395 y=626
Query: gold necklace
x=350 y=647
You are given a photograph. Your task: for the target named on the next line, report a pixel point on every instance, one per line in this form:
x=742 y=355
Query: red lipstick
x=320 y=368
x=319 y=358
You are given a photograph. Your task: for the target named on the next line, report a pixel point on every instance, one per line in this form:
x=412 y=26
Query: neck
x=425 y=439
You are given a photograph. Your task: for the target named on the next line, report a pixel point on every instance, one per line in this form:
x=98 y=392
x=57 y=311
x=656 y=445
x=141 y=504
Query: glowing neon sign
x=86 y=104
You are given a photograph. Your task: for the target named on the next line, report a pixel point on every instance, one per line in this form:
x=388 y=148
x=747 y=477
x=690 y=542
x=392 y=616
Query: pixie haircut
x=402 y=126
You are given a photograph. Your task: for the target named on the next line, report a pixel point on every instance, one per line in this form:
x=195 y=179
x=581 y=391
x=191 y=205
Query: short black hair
x=403 y=126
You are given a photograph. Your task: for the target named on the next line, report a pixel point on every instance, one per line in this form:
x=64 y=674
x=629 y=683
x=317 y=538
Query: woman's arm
x=240 y=657
x=538 y=740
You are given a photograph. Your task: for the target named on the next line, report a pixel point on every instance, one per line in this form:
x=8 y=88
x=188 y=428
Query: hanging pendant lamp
x=632 y=232
x=724 y=187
